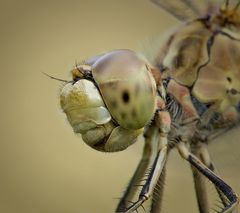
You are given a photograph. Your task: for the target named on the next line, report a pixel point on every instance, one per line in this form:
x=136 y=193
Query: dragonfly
x=187 y=97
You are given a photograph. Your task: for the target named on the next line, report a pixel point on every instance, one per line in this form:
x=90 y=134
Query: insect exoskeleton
x=218 y=82
x=111 y=110
x=127 y=87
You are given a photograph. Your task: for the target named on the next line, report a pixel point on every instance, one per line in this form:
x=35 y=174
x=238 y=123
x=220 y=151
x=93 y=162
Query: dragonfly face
x=188 y=97
x=110 y=121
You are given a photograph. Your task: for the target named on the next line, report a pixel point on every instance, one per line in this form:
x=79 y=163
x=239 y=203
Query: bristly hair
x=173 y=107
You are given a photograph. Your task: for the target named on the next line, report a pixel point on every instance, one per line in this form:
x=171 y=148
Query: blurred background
x=44 y=167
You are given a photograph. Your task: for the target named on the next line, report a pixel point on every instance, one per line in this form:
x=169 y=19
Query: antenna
x=58 y=79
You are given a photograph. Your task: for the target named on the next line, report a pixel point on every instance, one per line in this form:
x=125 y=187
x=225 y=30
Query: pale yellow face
x=83 y=105
x=127 y=87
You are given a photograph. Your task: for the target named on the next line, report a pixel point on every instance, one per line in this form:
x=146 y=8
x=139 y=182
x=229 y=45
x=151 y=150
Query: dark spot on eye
x=125 y=97
x=123 y=115
x=229 y=79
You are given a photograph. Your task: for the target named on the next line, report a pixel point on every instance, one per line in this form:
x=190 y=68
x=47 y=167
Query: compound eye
x=127 y=87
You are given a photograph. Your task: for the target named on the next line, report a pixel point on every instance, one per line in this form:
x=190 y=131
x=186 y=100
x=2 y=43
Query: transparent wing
x=188 y=9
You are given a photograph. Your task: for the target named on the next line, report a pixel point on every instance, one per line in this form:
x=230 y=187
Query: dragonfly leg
x=199 y=182
x=158 y=193
x=149 y=146
x=161 y=127
x=200 y=150
x=205 y=157
x=225 y=189
x=152 y=179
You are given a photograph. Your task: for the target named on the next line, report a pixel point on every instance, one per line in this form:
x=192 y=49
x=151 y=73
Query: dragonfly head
x=111 y=99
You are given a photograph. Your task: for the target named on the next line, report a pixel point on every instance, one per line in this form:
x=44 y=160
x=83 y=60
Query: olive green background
x=44 y=167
